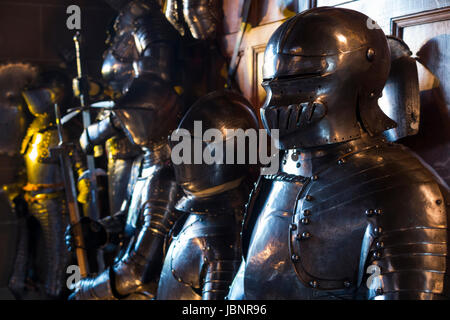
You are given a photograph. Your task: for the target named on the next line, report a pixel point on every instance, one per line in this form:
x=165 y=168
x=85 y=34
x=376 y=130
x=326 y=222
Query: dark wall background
x=35 y=31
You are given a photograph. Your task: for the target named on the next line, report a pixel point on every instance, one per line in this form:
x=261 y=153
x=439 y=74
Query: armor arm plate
x=410 y=247
x=143 y=263
x=99 y=132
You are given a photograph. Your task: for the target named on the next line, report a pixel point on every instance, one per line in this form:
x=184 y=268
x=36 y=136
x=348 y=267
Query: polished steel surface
x=202 y=17
x=401 y=97
x=359 y=204
x=143 y=112
x=324 y=71
x=174 y=13
x=204 y=255
x=144 y=44
x=221 y=110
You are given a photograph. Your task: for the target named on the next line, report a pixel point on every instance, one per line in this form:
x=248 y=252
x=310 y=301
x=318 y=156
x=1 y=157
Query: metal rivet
x=341 y=161
x=305 y=221
x=378 y=230
x=294 y=157
x=314 y=284
x=315 y=177
x=306 y=212
x=370 y=54
x=371 y=96
x=369 y=212
x=308 y=198
x=380 y=245
x=379 y=212
x=347 y=284
x=293 y=226
x=376 y=255
x=295 y=258
x=304 y=236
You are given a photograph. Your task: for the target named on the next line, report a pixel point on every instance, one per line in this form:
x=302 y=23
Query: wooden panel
x=428 y=37
x=272 y=11
x=382 y=11
x=264 y=18
x=252 y=48
x=258 y=92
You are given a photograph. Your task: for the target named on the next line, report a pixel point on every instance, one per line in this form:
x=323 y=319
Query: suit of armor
x=13 y=123
x=204 y=255
x=45 y=188
x=139 y=64
x=348 y=216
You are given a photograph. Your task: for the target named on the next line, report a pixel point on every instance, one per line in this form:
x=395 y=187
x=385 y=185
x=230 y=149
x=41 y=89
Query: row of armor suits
x=348 y=215
x=176 y=233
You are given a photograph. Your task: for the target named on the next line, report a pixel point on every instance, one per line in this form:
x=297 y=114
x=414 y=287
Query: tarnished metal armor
x=401 y=96
x=204 y=254
x=201 y=16
x=148 y=110
x=348 y=216
x=13 y=123
x=45 y=188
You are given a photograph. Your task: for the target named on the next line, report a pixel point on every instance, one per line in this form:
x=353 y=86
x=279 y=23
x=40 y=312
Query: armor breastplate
x=148 y=183
x=42 y=168
x=359 y=203
x=206 y=246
